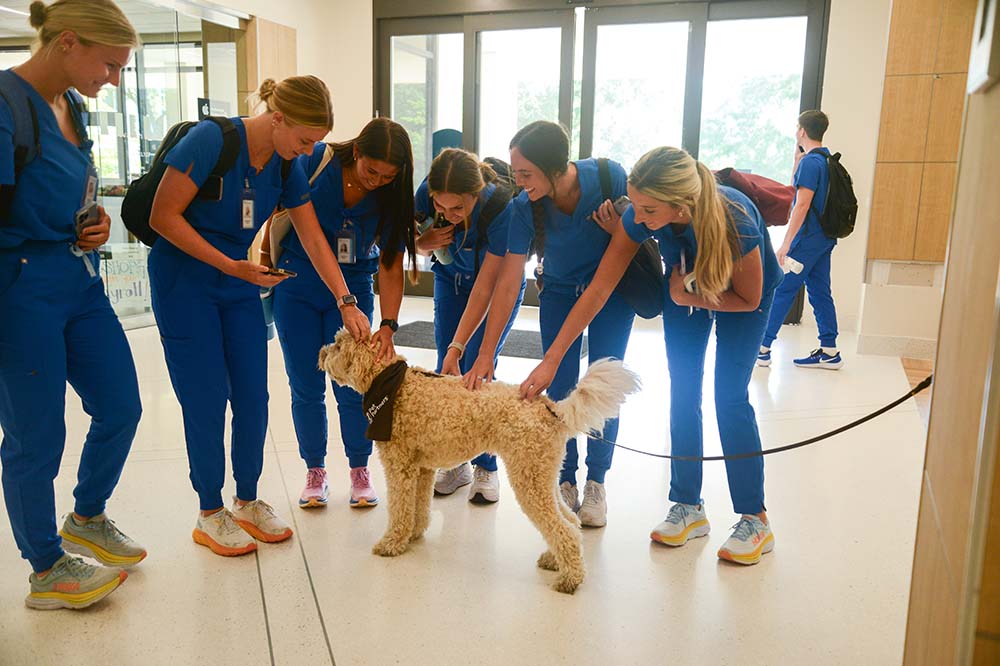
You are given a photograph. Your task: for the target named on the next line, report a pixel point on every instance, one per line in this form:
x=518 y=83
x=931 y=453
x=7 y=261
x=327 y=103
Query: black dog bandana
x=379 y=399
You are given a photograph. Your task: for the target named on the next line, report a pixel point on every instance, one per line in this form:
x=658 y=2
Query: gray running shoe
x=100 y=539
x=72 y=583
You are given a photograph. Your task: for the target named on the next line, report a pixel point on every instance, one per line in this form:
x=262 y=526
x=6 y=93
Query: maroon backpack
x=773 y=200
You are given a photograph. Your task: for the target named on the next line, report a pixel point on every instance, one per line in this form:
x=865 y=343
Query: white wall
x=334 y=40
x=852 y=97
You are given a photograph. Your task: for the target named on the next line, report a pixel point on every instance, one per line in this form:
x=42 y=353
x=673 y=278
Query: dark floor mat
x=519 y=344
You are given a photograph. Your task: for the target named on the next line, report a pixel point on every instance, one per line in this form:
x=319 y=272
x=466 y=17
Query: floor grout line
x=263 y=601
x=302 y=550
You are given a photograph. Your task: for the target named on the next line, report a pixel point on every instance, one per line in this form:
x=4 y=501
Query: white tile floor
x=834 y=590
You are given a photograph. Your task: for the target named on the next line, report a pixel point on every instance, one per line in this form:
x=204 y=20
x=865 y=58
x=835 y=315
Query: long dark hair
x=546 y=145
x=387 y=141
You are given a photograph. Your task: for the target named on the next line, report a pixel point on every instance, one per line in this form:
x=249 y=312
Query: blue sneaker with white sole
x=764 y=359
x=820 y=359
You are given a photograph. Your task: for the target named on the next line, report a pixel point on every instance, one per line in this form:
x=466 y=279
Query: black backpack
x=27 y=145
x=840 y=211
x=138 y=202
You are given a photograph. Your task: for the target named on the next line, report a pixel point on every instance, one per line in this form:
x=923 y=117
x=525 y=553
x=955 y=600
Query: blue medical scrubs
x=211 y=324
x=574 y=245
x=453 y=284
x=738 y=336
x=56 y=325
x=813 y=249
x=307 y=316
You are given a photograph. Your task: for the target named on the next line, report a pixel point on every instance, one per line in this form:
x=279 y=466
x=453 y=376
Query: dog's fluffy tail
x=597 y=397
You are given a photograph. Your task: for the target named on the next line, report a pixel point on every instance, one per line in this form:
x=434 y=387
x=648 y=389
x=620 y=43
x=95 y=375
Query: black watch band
x=391 y=323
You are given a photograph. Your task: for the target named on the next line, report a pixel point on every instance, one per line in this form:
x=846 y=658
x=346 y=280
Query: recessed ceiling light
x=14 y=11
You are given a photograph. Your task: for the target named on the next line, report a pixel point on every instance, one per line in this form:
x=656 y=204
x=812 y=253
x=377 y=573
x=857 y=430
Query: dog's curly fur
x=437 y=423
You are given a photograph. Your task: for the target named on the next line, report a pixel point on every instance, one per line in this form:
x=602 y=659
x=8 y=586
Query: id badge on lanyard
x=347 y=245
x=248 y=202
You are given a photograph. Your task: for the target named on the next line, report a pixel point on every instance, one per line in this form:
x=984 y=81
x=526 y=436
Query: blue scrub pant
x=816 y=276
x=451 y=296
x=738 y=336
x=58 y=326
x=607 y=336
x=215 y=344
x=307 y=318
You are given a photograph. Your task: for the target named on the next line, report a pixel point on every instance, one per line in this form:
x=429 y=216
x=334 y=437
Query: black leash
x=788 y=447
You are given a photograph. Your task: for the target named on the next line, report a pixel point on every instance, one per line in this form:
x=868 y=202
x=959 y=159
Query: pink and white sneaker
x=317 y=491
x=362 y=493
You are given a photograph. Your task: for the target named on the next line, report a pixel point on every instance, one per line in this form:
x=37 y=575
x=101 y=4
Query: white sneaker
x=260 y=521
x=751 y=538
x=683 y=522
x=570 y=495
x=485 y=487
x=447 y=481
x=222 y=535
x=594 y=508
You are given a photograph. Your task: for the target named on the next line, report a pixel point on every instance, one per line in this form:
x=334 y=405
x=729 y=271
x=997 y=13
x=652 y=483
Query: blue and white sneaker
x=764 y=359
x=820 y=359
x=751 y=538
x=683 y=522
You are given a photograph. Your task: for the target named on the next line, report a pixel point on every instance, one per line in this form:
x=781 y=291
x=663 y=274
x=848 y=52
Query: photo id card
x=248 y=218
x=346 y=246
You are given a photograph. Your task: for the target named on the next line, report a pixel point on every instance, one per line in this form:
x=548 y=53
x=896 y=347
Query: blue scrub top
x=52 y=186
x=463 y=245
x=328 y=198
x=221 y=222
x=814 y=174
x=574 y=244
x=749 y=225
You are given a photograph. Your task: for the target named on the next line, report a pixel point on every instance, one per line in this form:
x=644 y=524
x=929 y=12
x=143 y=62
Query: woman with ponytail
x=206 y=295
x=554 y=217
x=468 y=194
x=364 y=200
x=723 y=270
x=57 y=323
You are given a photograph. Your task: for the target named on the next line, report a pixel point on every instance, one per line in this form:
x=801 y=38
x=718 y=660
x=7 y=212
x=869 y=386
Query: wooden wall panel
x=965 y=345
x=937 y=190
x=906 y=105
x=987 y=652
x=913 y=36
x=264 y=50
x=895 y=204
x=958 y=19
x=945 y=122
x=989 y=592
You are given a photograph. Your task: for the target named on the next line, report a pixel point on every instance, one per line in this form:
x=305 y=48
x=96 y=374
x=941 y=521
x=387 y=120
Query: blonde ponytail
x=672 y=176
x=92 y=21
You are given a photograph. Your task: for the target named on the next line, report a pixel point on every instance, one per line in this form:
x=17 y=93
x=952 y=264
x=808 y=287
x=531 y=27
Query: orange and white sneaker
x=260 y=521
x=751 y=538
x=222 y=535
x=683 y=522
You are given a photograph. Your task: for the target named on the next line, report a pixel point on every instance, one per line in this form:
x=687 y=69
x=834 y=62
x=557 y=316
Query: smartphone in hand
x=87 y=216
x=282 y=272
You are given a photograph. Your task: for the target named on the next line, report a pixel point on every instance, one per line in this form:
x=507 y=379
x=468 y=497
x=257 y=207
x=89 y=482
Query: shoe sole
x=479 y=498
x=820 y=366
x=260 y=535
x=202 y=539
x=584 y=523
x=445 y=493
x=364 y=503
x=77 y=546
x=765 y=546
x=693 y=531
x=57 y=600
x=313 y=503
x=763 y=364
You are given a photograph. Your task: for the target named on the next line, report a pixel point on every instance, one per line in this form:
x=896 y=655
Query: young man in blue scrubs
x=56 y=323
x=808 y=248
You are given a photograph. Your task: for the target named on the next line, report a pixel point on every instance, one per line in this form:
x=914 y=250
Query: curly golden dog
x=438 y=423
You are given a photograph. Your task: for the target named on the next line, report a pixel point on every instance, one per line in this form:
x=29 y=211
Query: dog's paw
x=547 y=561
x=567 y=583
x=416 y=536
x=388 y=548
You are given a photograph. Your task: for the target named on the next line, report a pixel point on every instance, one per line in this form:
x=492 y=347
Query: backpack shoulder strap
x=491 y=209
x=230 y=145
x=327 y=156
x=604 y=174
x=26 y=134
